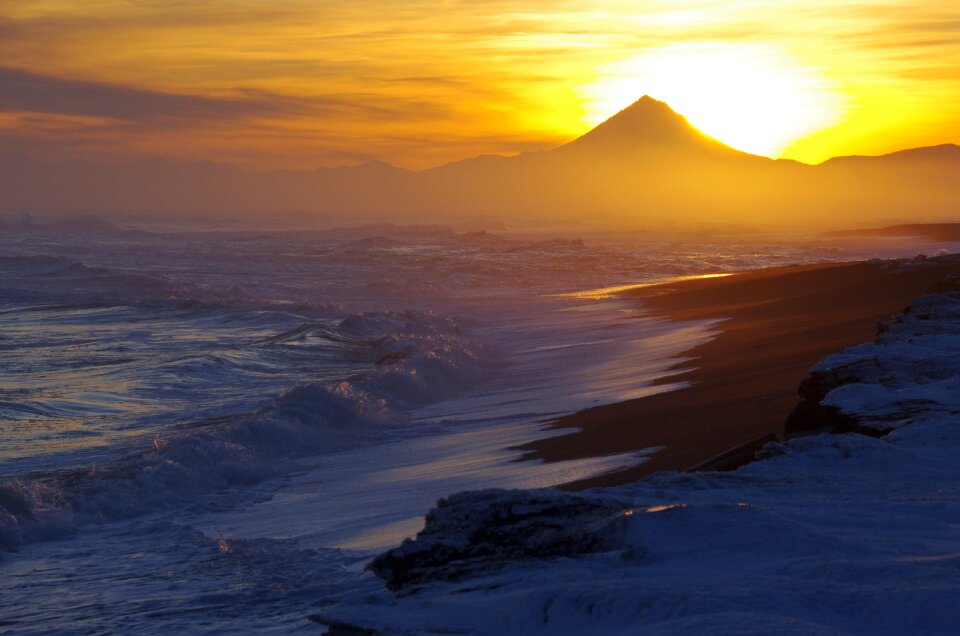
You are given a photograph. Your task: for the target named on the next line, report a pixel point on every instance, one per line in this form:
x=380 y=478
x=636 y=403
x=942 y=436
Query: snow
x=828 y=534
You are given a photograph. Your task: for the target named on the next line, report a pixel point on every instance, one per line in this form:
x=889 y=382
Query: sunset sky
x=300 y=83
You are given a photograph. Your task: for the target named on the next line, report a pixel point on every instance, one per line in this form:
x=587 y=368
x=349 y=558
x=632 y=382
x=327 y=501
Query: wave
x=60 y=279
x=421 y=358
x=57 y=281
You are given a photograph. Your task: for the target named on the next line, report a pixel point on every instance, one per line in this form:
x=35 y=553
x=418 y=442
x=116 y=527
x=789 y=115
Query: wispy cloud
x=418 y=82
x=24 y=91
x=31 y=92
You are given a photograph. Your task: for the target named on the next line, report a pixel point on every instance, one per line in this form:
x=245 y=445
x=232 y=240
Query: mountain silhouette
x=645 y=127
x=646 y=166
x=943 y=153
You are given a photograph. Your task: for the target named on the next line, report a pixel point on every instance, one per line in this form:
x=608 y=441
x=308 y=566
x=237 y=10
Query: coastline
x=825 y=534
x=778 y=322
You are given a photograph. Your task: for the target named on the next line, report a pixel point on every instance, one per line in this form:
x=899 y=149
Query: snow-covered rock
x=476 y=532
x=910 y=371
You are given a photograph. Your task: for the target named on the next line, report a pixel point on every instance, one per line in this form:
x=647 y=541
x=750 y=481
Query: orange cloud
x=417 y=83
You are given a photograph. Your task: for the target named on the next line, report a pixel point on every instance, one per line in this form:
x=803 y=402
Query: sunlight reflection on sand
x=602 y=293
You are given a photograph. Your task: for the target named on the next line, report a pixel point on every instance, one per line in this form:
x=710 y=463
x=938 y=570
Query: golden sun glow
x=752 y=97
x=298 y=84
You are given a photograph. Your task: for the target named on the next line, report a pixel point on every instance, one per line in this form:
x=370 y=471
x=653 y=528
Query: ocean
x=215 y=430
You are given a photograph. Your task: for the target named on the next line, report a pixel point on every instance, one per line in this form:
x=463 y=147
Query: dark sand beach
x=743 y=383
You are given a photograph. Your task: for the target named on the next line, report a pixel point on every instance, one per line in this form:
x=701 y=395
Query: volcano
x=647 y=126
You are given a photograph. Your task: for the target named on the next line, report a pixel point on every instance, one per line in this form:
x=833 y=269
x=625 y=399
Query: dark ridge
x=935 y=231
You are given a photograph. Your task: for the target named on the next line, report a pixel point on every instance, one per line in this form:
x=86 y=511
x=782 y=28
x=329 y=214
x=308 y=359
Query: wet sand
x=779 y=322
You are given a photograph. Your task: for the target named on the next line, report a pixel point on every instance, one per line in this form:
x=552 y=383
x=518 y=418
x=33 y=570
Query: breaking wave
x=412 y=359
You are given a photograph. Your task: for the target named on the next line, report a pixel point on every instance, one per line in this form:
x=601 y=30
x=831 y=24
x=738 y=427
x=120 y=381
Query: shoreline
x=777 y=323
x=824 y=532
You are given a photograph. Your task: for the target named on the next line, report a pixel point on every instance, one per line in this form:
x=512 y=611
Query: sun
x=755 y=98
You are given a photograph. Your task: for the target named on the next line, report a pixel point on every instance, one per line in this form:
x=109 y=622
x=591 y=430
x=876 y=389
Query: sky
x=312 y=83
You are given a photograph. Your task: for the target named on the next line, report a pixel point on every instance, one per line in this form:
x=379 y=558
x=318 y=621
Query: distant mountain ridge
x=941 y=152
x=645 y=166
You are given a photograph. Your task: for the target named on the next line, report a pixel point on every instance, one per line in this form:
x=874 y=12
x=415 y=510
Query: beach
x=777 y=323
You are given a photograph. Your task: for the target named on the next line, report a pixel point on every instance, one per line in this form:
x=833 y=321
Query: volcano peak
x=646 y=124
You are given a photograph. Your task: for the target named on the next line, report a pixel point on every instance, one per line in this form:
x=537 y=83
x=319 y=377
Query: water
x=212 y=431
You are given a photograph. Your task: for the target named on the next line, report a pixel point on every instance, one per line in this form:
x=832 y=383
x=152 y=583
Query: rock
x=473 y=532
x=810 y=417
